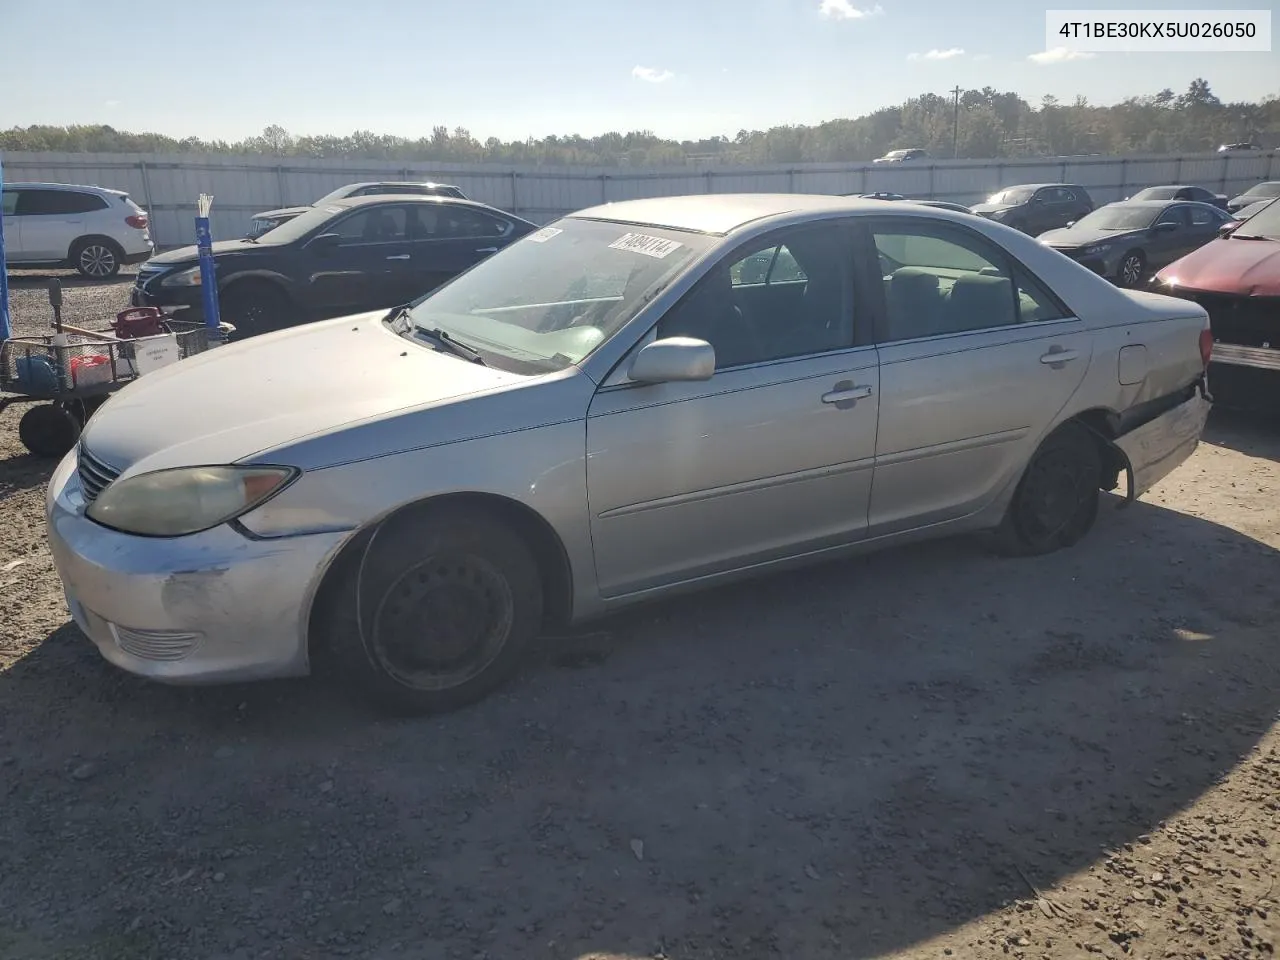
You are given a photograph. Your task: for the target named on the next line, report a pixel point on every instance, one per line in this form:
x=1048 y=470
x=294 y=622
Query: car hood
x=1249 y=268
x=192 y=254
x=235 y=401
x=1068 y=237
x=992 y=207
x=282 y=212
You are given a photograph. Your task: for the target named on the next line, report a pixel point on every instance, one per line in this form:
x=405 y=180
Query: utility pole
x=955 y=122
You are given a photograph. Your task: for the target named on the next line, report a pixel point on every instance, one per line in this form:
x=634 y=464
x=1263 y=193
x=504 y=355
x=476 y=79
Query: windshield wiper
x=450 y=343
x=1250 y=236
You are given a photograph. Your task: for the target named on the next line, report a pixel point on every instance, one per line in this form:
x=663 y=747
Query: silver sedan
x=642 y=398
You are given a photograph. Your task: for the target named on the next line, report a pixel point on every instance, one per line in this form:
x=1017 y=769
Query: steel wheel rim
x=97 y=260
x=1054 y=490
x=442 y=622
x=1131 y=270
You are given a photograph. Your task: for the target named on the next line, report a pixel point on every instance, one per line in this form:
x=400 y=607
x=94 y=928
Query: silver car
x=642 y=398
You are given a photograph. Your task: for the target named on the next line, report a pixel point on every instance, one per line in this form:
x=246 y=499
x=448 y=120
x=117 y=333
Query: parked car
x=902 y=156
x=1244 y=213
x=343 y=257
x=601 y=414
x=1123 y=241
x=270 y=219
x=1236 y=147
x=93 y=229
x=944 y=205
x=1036 y=207
x=1267 y=190
x=1237 y=280
x=1182 y=192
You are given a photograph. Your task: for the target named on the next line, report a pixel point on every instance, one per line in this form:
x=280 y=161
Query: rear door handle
x=399 y=256
x=1058 y=355
x=844 y=394
x=487 y=250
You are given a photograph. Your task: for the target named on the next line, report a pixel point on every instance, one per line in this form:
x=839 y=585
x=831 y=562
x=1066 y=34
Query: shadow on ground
x=833 y=763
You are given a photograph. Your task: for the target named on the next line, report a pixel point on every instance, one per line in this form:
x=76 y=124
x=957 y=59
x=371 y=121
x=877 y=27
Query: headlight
x=174 y=503
x=1095 y=249
x=183 y=278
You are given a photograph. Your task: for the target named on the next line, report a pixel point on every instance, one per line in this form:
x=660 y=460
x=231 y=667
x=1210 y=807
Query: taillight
x=1206 y=346
x=138 y=220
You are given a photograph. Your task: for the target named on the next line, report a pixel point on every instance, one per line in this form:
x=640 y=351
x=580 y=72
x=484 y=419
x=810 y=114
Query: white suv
x=93 y=229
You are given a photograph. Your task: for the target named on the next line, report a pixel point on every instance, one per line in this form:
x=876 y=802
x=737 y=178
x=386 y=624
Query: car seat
x=977 y=302
x=915 y=302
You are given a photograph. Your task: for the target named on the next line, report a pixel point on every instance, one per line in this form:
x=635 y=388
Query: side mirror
x=1071 y=223
x=674 y=359
x=1165 y=227
x=1228 y=228
x=325 y=243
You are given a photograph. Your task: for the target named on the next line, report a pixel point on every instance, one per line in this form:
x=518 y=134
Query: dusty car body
x=633 y=401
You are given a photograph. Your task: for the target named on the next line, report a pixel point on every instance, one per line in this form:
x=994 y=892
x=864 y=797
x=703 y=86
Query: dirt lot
x=873 y=758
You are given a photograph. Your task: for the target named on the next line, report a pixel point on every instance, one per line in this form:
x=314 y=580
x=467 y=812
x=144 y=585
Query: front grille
x=163 y=645
x=94 y=475
x=1248 y=321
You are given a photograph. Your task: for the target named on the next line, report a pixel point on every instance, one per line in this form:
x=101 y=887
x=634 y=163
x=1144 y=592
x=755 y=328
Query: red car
x=1236 y=278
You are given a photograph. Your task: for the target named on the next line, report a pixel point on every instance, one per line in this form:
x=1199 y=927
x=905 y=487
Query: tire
x=425 y=582
x=1133 y=267
x=1056 y=501
x=48 y=430
x=255 y=307
x=96 y=258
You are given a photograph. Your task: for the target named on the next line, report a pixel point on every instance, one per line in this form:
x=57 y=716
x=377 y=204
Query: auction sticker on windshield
x=656 y=247
x=545 y=234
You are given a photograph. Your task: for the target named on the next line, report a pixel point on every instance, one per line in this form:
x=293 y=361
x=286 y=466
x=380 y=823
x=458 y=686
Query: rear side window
x=34 y=203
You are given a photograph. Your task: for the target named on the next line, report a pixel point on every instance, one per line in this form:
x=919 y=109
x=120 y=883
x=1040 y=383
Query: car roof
x=1173 y=186
x=396 y=183
x=32 y=185
x=1169 y=202
x=1036 y=186
x=722 y=213
x=347 y=202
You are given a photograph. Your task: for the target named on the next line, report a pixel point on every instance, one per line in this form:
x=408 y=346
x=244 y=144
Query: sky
x=684 y=69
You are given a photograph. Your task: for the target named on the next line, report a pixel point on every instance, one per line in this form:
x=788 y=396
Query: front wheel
x=49 y=430
x=443 y=607
x=1132 y=268
x=1056 y=501
x=255 y=308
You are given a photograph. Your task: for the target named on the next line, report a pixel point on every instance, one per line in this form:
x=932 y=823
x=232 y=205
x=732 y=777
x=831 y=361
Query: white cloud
x=937 y=54
x=1059 y=55
x=651 y=74
x=845 y=10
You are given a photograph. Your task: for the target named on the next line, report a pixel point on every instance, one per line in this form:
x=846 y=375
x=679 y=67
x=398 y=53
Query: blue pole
x=5 y=330
x=208 y=273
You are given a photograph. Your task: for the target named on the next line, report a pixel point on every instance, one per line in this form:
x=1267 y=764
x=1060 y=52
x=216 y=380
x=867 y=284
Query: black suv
x=1036 y=207
x=348 y=256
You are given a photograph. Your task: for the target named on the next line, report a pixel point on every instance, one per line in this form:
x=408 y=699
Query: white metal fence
x=167 y=184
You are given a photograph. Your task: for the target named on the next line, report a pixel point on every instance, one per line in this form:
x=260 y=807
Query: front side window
x=10 y=203
x=372 y=225
x=551 y=298
x=1175 y=215
x=1203 y=216
x=792 y=297
x=939 y=280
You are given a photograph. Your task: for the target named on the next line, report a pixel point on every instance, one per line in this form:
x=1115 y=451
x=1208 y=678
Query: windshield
x=1263 y=190
x=1117 y=216
x=1012 y=195
x=1156 y=193
x=300 y=225
x=1264 y=223
x=553 y=297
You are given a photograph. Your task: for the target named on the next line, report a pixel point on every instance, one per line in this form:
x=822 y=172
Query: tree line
x=971 y=123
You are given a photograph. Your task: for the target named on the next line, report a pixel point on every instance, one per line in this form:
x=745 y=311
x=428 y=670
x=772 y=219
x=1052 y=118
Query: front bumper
x=186 y=299
x=208 y=608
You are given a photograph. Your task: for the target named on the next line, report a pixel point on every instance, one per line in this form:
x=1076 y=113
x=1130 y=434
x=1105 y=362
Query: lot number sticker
x=655 y=247
x=545 y=234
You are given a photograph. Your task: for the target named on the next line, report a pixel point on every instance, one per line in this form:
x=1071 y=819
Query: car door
x=1168 y=237
x=12 y=227
x=769 y=458
x=976 y=358
x=369 y=268
x=52 y=220
x=1204 y=222
x=1041 y=215
x=450 y=238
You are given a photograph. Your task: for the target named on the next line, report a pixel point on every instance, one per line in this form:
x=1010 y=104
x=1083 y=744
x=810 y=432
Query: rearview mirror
x=674 y=359
x=1165 y=227
x=324 y=243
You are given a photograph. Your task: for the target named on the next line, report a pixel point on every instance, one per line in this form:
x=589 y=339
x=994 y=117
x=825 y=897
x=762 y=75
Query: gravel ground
x=924 y=753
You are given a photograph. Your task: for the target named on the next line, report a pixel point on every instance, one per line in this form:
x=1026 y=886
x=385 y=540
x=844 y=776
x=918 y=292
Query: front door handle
x=1058 y=355
x=487 y=250
x=399 y=256
x=844 y=393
